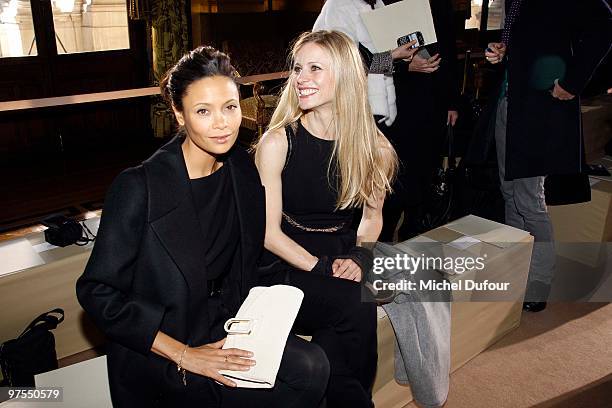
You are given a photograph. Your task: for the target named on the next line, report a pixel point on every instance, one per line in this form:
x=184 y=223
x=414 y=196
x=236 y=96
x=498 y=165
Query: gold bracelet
x=179 y=366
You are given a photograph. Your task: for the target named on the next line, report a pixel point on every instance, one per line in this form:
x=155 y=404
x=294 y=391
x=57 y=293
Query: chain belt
x=296 y=224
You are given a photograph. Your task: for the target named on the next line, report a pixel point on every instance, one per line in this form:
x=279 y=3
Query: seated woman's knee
x=313 y=363
x=305 y=366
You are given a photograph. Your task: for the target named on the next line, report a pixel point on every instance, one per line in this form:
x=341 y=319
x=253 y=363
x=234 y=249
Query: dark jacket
x=565 y=39
x=147 y=274
x=423 y=97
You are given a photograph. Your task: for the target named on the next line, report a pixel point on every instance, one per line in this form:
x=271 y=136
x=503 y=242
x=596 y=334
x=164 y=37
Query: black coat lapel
x=172 y=214
x=250 y=202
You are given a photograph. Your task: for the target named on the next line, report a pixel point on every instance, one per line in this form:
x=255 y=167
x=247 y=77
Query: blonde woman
x=321 y=158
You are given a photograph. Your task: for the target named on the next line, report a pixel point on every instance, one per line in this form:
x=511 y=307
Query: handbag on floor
x=262 y=326
x=441 y=200
x=33 y=352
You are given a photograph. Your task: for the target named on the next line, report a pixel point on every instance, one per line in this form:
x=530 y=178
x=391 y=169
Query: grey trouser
x=525 y=208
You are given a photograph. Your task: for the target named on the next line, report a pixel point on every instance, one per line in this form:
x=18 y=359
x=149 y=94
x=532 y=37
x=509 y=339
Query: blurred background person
x=549 y=50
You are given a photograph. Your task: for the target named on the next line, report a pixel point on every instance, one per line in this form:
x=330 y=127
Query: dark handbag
x=442 y=193
x=33 y=352
x=62 y=231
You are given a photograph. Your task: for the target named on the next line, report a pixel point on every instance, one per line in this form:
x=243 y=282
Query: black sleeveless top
x=309 y=198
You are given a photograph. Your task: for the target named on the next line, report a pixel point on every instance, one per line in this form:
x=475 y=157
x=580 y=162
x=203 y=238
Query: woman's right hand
x=208 y=359
x=405 y=51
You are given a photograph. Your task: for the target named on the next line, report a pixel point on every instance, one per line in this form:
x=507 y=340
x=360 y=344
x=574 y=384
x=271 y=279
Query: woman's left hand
x=346 y=269
x=424 y=65
x=559 y=93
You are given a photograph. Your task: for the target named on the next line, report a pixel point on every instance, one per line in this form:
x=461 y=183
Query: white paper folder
x=386 y=24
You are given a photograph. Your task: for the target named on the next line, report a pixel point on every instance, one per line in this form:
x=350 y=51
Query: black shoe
x=534 y=307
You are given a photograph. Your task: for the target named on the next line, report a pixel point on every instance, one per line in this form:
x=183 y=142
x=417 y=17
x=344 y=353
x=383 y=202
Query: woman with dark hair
x=175 y=256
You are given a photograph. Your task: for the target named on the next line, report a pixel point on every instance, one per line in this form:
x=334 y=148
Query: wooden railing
x=254 y=80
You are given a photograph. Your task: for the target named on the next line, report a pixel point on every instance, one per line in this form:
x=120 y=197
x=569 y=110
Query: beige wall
x=245 y=6
x=101 y=25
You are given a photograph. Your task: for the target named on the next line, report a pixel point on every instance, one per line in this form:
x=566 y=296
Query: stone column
x=67 y=23
x=17 y=29
x=105 y=25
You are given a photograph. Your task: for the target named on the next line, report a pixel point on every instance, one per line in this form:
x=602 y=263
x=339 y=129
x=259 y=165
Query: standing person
x=175 y=256
x=550 y=49
x=421 y=93
x=321 y=158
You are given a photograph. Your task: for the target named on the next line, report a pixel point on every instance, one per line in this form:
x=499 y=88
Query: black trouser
x=301 y=381
x=341 y=317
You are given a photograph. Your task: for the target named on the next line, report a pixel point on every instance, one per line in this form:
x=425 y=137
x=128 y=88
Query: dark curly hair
x=371 y=3
x=203 y=62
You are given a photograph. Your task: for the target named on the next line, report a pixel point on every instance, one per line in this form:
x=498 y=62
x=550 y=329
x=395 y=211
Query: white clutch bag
x=262 y=326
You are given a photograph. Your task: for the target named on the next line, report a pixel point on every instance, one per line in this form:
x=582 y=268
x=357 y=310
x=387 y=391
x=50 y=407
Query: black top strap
x=47 y=320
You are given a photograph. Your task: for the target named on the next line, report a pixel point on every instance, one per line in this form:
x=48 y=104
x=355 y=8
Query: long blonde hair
x=365 y=160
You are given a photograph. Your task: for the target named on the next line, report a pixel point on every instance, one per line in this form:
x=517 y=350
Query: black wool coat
x=564 y=39
x=147 y=272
